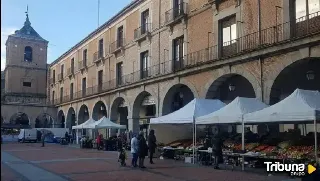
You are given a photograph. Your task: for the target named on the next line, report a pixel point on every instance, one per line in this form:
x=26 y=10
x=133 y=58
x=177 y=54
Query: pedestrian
x=134 y=150
x=217 y=148
x=152 y=145
x=98 y=141
x=66 y=136
x=143 y=149
x=42 y=138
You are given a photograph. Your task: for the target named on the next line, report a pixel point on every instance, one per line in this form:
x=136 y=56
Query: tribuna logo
x=293 y=169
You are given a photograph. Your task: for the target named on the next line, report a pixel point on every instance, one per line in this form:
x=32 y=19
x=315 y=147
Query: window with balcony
x=144 y=64
x=28 y=54
x=119 y=73
x=71 y=91
x=53 y=76
x=120 y=37
x=177 y=11
x=178 y=52
x=72 y=66
x=61 y=94
x=84 y=57
x=100 y=80
x=306 y=9
x=84 y=86
x=145 y=21
x=53 y=96
x=100 y=48
x=62 y=71
x=228 y=30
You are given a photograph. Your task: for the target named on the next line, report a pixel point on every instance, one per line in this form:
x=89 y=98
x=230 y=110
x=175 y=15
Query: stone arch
x=229 y=86
x=116 y=99
x=44 y=120
x=83 y=114
x=186 y=95
x=71 y=118
x=60 y=120
x=2 y=120
x=138 y=101
x=119 y=110
x=20 y=118
x=99 y=110
x=294 y=76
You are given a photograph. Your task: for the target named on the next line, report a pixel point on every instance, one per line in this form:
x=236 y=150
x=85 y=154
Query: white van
x=29 y=135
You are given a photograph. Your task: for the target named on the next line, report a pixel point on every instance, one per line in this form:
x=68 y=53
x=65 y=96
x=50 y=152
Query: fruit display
x=296 y=152
x=260 y=148
x=269 y=150
x=250 y=146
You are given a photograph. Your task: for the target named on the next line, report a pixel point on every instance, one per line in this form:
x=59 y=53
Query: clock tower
x=26 y=66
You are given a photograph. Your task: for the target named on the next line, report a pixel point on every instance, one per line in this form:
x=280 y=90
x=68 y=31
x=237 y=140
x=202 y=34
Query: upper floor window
x=72 y=65
x=144 y=21
x=229 y=31
x=62 y=70
x=120 y=36
x=84 y=54
x=28 y=54
x=306 y=8
x=54 y=75
x=100 y=48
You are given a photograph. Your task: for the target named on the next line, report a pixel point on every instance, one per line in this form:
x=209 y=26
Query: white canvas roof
x=301 y=105
x=233 y=112
x=194 y=109
x=108 y=124
x=85 y=124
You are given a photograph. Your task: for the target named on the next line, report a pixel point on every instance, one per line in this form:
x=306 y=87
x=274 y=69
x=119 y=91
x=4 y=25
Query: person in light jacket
x=134 y=150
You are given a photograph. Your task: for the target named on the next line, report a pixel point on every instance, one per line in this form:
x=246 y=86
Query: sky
x=62 y=22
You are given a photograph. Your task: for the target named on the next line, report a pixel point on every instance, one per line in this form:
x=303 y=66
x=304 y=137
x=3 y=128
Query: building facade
x=24 y=97
x=155 y=56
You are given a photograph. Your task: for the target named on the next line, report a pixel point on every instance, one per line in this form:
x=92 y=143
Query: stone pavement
x=29 y=161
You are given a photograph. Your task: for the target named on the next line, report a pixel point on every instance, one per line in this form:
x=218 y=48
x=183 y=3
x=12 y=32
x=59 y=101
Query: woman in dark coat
x=143 y=149
x=152 y=145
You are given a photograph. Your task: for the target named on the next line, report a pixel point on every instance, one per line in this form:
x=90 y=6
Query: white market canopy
x=186 y=115
x=106 y=123
x=85 y=124
x=233 y=112
x=301 y=105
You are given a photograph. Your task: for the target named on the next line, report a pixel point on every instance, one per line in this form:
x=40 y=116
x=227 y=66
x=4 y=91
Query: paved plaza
x=29 y=161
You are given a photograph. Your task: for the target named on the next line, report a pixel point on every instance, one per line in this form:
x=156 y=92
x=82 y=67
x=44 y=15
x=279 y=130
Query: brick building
x=154 y=56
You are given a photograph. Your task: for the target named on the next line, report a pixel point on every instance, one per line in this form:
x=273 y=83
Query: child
x=122 y=157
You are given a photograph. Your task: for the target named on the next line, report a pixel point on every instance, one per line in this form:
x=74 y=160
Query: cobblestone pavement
x=29 y=161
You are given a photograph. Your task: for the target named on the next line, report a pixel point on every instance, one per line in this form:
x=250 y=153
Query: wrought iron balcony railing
x=82 y=64
x=142 y=31
x=117 y=45
x=60 y=77
x=278 y=34
x=176 y=13
x=70 y=71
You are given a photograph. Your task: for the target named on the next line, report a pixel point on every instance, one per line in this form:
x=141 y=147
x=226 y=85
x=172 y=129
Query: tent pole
x=242 y=142
x=315 y=140
x=193 y=137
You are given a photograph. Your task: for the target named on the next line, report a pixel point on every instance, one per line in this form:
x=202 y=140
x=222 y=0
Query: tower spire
x=27 y=22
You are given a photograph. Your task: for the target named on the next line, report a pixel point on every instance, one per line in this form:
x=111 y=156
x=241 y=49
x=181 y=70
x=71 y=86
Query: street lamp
x=310 y=75
x=232 y=87
x=181 y=95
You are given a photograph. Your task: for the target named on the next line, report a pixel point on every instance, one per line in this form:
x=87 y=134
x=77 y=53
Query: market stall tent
x=301 y=105
x=179 y=124
x=84 y=125
x=233 y=112
x=187 y=114
x=106 y=123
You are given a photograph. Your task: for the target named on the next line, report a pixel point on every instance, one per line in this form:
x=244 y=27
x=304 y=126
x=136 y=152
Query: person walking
x=98 y=141
x=143 y=149
x=42 y=138
x=217 y=148
x=152 y=145
x=134 y=150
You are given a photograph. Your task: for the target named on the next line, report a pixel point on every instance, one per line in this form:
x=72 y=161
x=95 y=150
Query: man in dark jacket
x=143 y=149
x=42 y=138
x=152 y=145
x=217 y=148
